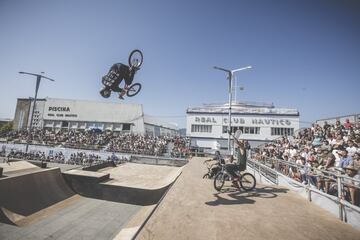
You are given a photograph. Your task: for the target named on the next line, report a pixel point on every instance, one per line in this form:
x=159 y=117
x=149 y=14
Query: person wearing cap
x=353 y=186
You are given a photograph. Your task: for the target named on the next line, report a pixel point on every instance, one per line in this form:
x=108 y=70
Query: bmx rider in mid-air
x=117 y=73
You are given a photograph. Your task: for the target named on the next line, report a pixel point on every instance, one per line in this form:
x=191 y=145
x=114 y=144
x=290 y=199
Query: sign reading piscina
x=59 y=109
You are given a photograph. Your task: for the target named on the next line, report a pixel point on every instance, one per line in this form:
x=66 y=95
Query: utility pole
x=38 y=80
x=230 y=78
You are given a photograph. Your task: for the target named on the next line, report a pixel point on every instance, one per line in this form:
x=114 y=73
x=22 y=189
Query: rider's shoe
x=121 y=97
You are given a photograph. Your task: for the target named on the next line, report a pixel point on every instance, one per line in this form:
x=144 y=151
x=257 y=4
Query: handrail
x=263 y=170
x=336 y=177
x=314 y=169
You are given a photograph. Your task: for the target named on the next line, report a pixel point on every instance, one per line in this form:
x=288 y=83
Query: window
x=201 y=128
x=282 y=131
x=251 y=130
x=65 y=124
x=244 y=130
x=225 y=128
x=126 y=127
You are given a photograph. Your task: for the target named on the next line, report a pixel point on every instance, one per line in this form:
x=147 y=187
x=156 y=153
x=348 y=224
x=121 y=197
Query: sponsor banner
x=54 y=150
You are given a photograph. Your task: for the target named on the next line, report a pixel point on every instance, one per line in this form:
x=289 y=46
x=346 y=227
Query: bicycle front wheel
x=219 y=181
x=133 y=90
x=136 y=58
x=247 y=181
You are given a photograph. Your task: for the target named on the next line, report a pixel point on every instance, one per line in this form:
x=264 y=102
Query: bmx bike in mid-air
x=118 y=72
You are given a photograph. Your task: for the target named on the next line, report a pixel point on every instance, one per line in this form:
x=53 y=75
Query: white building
x=207 y=125
x=80 y=114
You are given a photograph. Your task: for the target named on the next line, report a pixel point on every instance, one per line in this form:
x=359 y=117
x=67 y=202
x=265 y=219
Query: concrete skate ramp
x=130 y=183
x=83 y=218
x=27 y=193
x=18 y=167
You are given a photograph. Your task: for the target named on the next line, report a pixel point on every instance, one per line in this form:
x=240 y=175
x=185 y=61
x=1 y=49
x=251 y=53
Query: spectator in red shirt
x=347 y=124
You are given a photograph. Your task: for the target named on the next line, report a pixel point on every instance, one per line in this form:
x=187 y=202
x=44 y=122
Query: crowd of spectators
x=78 y=158
x=66 y=138
x=138 y=144
x=315 y=153
x=96 y=140
x=180 y=147
x=38 y=155
x=82 y=158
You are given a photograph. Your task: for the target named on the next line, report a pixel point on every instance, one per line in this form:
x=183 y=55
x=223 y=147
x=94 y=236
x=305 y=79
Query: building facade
x=207 y=126
x=52 y=113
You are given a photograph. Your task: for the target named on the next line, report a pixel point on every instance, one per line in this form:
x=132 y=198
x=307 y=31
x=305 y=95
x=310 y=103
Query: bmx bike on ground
x=135 y=60
x=245 y=181
x=213 y=169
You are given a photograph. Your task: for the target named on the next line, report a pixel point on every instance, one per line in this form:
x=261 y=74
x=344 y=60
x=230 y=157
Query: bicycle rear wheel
x=247 y=181
x=133 y=90
x=219 y=181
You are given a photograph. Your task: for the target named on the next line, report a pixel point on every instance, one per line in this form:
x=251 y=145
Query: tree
x=5 y=128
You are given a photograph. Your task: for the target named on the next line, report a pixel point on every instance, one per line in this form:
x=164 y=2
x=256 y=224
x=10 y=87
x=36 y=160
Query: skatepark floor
x=86 y=218
x=193 y=209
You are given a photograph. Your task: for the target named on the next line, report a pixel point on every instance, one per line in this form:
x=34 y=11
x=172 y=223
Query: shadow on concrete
x=230 y=196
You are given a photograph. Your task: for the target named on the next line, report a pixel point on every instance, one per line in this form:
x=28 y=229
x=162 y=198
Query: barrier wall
x=153 y=160
x=28 y=193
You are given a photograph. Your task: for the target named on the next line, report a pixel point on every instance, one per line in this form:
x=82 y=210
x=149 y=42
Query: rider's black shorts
x=232 y=168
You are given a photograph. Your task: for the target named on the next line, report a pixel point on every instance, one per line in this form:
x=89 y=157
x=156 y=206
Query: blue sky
x=305 y=54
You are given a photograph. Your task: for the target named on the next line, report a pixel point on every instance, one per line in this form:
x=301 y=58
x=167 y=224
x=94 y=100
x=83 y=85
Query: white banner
x=48 y=150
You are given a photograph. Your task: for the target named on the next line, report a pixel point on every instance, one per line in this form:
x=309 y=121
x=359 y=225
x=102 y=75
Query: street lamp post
x=230 y=78
x=38 y=80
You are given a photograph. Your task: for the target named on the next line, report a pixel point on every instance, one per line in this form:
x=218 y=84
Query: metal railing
x=341 y=185
x=263 y=171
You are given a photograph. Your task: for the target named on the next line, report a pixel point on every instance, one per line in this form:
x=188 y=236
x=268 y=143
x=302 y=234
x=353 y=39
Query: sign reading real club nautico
x=242 y=121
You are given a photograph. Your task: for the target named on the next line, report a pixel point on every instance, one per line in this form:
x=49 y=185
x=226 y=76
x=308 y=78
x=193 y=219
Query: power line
x=174 y=116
